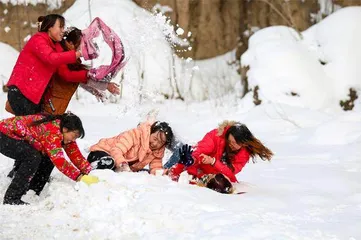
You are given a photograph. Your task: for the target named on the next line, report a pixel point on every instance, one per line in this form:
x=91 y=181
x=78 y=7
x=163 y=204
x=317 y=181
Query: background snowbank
x=318 y=66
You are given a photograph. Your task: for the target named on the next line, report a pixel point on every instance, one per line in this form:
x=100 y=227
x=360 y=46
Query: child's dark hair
x=166 y=129
x=220 y=183
x=49 y=21
x=243 y=135
x=73 y=35
x=67 y=120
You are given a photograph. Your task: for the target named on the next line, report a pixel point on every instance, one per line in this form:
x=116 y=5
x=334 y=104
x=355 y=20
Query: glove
x=89 y=179
x=185 y=155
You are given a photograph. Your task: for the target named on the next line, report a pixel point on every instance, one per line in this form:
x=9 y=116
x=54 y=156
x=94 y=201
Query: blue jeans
x=173 y=160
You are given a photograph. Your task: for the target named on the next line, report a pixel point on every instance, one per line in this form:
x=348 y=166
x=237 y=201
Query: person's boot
x=17 y=188
x=25 y=171
x=11 y=201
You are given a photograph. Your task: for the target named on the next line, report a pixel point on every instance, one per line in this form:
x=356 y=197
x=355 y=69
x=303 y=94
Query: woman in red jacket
x=37 y=142
x=36 y=63
x=224 y=150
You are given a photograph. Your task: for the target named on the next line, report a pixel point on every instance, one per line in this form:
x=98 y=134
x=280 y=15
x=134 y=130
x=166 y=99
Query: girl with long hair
x=224 y=150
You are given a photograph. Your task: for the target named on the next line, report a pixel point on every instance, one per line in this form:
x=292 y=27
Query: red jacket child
x=213 y=145
x=224 y=150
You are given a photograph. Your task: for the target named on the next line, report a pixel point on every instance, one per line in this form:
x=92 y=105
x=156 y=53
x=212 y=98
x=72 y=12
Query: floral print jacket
x=47 y=138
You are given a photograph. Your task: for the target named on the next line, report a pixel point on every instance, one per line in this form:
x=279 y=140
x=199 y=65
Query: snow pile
x=277 y=58
x=339 y=49
x=313 y=69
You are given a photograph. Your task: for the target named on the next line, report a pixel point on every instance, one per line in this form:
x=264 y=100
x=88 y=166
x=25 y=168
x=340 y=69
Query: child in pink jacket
x=134 y=149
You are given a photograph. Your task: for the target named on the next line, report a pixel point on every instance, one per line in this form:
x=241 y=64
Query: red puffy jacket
x=213 y=145
x=64 y=73
x=63 y=85
x=36 y=64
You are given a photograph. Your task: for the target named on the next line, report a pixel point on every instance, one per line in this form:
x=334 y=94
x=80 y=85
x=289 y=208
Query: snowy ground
x=311 y=189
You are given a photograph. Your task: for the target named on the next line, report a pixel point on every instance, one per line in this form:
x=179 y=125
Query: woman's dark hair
x=243 y=136
x=166 y=129
x=49 y=21
x=220 y=183
x=67 y=120
x=73 y=35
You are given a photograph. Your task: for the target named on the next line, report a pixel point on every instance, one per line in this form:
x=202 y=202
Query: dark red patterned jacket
x=47 y=138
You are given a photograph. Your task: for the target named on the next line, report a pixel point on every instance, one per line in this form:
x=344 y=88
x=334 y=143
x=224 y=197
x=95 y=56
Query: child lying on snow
x=134 y=149
x=222 y=152
x=217 y=182
x=36 y=142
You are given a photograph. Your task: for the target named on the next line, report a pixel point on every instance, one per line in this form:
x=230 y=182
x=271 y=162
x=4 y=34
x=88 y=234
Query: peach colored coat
x=132 y=145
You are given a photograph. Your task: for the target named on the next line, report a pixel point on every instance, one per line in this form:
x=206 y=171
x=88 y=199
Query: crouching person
x=36 y=142
x=134 y=149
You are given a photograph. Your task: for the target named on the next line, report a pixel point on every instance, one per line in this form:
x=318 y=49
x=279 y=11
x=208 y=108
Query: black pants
x=20 y=104
x=34 y=168
x=101 y=160
x=42 y=175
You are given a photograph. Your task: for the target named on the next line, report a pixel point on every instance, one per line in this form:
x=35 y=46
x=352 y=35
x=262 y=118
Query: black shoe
x=14 y=202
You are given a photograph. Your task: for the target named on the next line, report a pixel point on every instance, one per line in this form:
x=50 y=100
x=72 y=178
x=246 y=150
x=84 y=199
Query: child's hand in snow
x=207 y=159
x=113 y=88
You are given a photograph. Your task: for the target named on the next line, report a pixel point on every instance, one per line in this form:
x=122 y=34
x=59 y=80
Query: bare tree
x=284 y=12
